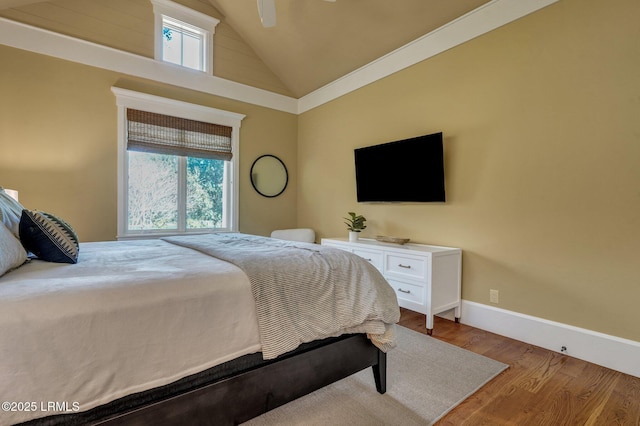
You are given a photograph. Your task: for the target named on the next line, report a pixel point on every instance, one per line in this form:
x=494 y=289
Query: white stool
x=305 y=235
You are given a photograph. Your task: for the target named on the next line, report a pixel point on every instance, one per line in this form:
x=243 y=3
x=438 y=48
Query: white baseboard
x=602 y=349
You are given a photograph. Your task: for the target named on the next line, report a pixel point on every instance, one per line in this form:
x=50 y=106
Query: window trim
x=130 y=99
x=191 y=17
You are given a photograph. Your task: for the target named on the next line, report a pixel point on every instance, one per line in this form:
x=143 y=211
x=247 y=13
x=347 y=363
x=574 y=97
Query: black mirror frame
x=286 y=176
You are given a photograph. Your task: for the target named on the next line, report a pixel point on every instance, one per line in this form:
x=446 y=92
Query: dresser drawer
x=424 y=278
x=373 y=257
x=406 y=291
x=406 y=266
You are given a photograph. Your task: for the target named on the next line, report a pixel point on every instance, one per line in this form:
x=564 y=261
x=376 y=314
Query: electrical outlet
x=494 y=296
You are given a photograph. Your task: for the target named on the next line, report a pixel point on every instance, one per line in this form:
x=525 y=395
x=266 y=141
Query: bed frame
x=250 y=393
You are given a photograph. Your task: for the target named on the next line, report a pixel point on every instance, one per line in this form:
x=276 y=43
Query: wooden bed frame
x=250 y=393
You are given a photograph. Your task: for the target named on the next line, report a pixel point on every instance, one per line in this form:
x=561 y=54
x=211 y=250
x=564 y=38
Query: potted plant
x=355 y=224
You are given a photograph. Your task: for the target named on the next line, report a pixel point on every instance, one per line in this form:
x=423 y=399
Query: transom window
x=177 y=168
x=182 y=44
x=183 y=36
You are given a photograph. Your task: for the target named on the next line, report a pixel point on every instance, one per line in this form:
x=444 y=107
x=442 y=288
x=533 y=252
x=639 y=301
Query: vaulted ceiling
x=313 y=43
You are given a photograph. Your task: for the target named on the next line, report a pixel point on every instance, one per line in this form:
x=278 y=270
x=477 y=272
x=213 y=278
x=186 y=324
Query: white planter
x=353 y=236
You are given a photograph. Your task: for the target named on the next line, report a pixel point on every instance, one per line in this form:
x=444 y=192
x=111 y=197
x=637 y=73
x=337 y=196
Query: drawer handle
x=368 y=260
x=404 y=291
x=404 y=266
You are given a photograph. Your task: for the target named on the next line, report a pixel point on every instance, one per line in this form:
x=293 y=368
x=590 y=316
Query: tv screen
x=409 y=170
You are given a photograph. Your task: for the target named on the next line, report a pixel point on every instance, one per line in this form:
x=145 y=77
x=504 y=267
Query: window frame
x=130 y=99
x=201 y=21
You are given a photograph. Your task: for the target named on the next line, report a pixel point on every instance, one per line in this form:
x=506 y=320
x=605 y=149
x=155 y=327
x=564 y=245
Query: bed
x=213 y=329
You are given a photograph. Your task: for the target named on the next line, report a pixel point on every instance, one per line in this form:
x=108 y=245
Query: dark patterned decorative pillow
x=48 y=237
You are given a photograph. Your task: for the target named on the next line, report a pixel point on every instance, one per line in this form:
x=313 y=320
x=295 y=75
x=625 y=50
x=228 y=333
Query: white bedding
x=88 y=334
x=305 y=292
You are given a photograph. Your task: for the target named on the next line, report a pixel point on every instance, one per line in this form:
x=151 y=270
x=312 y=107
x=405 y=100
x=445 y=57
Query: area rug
x=426 y=378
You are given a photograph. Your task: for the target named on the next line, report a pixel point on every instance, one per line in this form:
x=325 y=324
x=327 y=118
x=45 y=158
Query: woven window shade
x=164 y=134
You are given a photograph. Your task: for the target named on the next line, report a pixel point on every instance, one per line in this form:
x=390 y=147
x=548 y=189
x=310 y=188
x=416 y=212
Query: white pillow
x=10 y=212
x=12 y=254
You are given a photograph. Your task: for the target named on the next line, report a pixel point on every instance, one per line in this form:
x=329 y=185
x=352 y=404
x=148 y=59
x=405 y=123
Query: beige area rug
x=426 y=378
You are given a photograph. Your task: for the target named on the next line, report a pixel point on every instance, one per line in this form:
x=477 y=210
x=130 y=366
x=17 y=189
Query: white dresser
x=426 y=278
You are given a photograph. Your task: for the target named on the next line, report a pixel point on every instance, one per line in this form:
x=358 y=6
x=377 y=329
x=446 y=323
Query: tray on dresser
x=394 y=240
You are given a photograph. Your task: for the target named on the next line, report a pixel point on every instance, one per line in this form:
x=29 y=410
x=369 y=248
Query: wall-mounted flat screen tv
x=409 y=170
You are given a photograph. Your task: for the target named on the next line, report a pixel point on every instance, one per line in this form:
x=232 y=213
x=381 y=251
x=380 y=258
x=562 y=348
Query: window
x=177 y=168
x=182 y=44
x=183 y=36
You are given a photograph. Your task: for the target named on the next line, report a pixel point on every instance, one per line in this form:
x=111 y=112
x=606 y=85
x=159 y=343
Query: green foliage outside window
x=205 y=179
x=166 y=33
x=153 y=192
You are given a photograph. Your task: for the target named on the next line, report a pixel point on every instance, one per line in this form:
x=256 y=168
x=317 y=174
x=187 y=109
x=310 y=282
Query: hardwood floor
x=540 y=387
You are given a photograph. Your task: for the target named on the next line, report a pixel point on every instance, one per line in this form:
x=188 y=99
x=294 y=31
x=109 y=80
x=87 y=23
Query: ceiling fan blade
x=267 y=12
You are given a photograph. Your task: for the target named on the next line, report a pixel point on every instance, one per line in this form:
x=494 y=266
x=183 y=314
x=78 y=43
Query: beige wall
x=58 y=143
x=542 y=150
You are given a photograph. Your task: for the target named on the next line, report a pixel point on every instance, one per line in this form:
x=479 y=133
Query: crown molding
x=479 y=21
x=38 y=40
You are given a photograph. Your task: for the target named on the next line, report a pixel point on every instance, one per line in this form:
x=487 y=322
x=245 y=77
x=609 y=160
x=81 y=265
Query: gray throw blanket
x=306 y=292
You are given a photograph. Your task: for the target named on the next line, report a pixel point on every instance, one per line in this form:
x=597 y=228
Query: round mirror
x=269 y=175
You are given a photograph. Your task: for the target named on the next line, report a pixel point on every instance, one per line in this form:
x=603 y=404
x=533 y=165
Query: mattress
x=73 y=337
